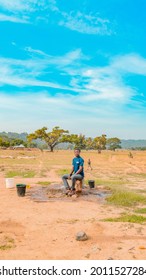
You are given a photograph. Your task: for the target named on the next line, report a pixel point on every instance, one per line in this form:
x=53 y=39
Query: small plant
x=127 y=219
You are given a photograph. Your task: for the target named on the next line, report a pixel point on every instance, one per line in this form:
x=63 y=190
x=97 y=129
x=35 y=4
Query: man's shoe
x=68 y=189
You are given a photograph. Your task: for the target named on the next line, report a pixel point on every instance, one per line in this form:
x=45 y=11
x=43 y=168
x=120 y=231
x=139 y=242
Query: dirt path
x=47 y=230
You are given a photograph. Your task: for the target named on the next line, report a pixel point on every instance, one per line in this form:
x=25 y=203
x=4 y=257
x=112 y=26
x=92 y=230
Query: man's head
x=77 y=152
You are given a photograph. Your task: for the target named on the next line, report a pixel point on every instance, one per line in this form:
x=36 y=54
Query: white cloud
x=24 y=73
x=67 y=59
x=130 y=63
x=31 y=110
x=106 y=84
x=90 y=84
x=4 y=17
x=53 y=6
x=36 y=52
x=87 y=24
x=12 y=6
x=75 y=20
x=22 y=5
x=20 y=11
x=101 y=95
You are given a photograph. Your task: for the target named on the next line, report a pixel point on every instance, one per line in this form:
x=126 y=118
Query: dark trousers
x=73 y=179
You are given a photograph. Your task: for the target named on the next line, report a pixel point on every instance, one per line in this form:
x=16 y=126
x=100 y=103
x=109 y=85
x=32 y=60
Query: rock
x=81 y=236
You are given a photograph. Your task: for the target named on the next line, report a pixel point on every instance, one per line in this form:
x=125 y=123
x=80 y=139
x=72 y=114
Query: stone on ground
x=81 y=236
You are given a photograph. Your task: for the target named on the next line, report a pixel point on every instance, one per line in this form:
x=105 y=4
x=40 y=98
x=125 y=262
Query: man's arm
x=72 y=170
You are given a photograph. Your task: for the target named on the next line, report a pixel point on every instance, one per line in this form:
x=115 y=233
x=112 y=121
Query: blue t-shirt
x=77 y=162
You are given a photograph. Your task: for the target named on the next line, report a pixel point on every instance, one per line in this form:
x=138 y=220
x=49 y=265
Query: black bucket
x=21 y=189
x=91 y=184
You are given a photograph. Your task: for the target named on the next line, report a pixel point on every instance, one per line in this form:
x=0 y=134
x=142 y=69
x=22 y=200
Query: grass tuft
x=43 y=183
x=128 y=219
x=140 y=211
x=7 y=243
x=125 y=198
x=61 y=172
x=108 y=183
x=23 y=174
x=138 y=175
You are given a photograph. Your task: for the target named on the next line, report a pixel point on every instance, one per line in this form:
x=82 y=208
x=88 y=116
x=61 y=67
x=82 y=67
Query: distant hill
x=21 y=136
x=13 y=135
x=127 y=144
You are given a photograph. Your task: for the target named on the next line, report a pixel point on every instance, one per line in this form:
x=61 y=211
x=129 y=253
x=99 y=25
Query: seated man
x=77 y=172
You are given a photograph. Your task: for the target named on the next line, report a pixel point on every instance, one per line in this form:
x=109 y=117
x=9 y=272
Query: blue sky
x=79 y=64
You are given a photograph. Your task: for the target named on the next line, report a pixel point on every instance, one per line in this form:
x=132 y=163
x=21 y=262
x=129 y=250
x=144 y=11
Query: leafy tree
x=113 y=143
x=89 y=143
x=79 y=141
x=1 y=141
x=52 y=138
x=32 y=145
x=99 y=143
x=4 y=142
x=17 y=142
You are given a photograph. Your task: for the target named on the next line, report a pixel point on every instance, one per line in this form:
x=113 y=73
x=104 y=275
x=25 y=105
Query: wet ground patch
x=56 y=192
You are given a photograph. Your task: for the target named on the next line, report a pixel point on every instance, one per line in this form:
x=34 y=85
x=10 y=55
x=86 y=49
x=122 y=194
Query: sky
x=77 y=64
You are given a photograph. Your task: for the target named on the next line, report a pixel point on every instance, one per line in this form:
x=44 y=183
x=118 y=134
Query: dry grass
x=6 y=243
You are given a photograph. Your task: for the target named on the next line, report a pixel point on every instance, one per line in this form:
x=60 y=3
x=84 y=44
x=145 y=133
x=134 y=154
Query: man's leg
x=65 y=182
x=74 y=178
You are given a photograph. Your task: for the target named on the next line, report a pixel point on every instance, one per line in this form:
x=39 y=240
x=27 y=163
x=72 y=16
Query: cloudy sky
x=79 y=64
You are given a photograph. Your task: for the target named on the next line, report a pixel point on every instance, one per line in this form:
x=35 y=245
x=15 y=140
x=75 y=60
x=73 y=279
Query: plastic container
x=9 y=183
x=21 y=189
x=91 y=184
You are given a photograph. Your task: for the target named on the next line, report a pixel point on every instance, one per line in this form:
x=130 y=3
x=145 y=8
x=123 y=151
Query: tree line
x=50 y=139
x=59 y=135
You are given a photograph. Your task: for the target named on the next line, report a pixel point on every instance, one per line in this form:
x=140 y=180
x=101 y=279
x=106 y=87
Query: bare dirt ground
x=31 y=229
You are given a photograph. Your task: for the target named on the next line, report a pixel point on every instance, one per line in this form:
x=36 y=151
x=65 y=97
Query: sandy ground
x=47 y=230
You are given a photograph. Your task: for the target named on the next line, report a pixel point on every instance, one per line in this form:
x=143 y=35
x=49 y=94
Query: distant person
x=130 y=155
x=89 y=164
x=77 y=171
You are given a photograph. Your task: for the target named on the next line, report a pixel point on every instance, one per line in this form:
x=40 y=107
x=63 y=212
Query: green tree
x=4 y=142
x=52 y=138
x=89 y=143
x=78 y=141
x=113 y=143
x=17 y=142
x=1 y=141
x=99 y=143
